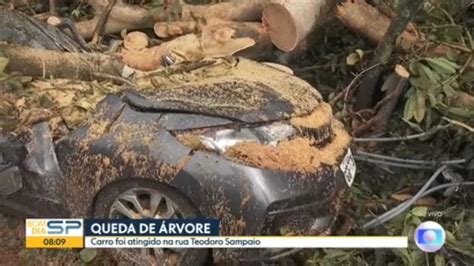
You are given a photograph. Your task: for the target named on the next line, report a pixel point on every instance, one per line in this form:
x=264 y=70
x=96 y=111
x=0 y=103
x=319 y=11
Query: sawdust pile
x=321 y=116
x=295 y=155
x=191 y=140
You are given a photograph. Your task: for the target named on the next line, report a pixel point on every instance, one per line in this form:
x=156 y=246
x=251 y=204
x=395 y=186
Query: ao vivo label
x=54 y=233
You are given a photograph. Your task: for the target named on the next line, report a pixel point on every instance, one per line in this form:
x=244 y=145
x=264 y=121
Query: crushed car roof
x=238 y=89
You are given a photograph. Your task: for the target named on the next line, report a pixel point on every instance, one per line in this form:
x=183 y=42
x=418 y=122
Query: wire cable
x=402 y=207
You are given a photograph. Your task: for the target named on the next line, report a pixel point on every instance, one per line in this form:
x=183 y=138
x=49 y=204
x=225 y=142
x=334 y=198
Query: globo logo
x=430 y=236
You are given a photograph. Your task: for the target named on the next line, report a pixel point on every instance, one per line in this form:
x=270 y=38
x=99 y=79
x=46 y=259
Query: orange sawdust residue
x=191 y=140
x=289 y=155
x=321 y=116
x=299 y=154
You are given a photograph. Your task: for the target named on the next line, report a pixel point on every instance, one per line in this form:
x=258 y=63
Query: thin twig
x=457 y=123
x=355 y=78
x=302 y=69
x=348 y=87
x=116 y=79
x=100 y=26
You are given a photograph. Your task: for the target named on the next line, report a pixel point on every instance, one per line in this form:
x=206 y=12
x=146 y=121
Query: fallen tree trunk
x=124 y=16
x=46 y=63
x=288 y=22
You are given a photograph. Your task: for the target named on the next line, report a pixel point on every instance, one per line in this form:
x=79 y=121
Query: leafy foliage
x=433 y=81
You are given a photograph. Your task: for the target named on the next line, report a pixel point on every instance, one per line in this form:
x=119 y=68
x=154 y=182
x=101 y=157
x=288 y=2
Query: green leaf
x=389 y=81
x=432 y=98
x=409 y=108
x=448 y=90
x=420 y=211
x=422 y=83
x=413 y=125
x=428 y=74
x=420 y=106
x=442 y=66
x=3 y=63
x=446 y=61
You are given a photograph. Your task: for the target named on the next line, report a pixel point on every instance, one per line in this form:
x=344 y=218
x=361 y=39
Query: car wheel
x=138 y=199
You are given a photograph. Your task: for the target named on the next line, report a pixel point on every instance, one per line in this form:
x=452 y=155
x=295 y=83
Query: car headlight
x=221 y=140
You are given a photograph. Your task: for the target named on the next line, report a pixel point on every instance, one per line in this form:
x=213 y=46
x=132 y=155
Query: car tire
x=110 y=194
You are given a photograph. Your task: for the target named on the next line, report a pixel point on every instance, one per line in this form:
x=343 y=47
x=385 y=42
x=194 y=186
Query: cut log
x=237 y=10
x=124 y=16
x=135 y=41
x=172 y=29
x=216 y=42
x=261 y=50
x=288 y=22
x=367 y=21
x=45 y=63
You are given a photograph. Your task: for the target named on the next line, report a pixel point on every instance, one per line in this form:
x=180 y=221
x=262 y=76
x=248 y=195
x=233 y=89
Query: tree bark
x=46 y=63
x=367 y=21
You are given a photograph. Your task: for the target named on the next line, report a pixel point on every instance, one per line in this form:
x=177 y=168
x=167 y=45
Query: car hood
x=241 y=90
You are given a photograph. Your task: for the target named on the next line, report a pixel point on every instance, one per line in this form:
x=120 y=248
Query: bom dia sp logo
x=430 y=236
x=54 y=233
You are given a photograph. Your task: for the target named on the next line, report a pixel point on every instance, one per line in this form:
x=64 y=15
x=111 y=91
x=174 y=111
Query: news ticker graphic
x=177 y=233
x=249 y=242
